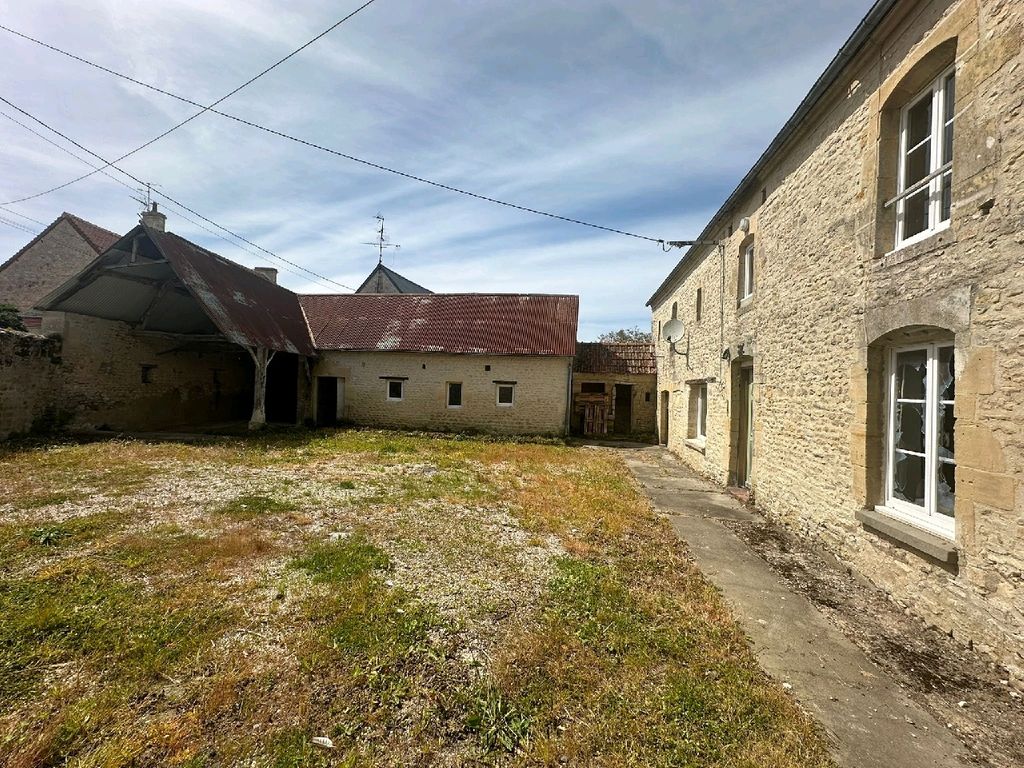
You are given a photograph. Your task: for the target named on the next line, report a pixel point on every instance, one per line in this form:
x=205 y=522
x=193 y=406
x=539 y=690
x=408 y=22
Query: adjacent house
x=613 y=390
x=451 y=361
x=852 y=318
x=385 y=280
x=57 y=253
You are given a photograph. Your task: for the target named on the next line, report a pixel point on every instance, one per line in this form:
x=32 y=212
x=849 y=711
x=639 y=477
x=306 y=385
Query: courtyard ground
x=400 y=599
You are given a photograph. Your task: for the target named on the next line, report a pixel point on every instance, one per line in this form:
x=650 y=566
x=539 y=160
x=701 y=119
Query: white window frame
x=747 y=276
x=448 y=394
x=925 y=517
x=937 y=92
x=387 y=390
x=497 y=395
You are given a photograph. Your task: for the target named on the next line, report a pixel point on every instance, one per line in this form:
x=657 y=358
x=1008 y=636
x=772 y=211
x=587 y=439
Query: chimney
x=268 y=273
x=154 y=219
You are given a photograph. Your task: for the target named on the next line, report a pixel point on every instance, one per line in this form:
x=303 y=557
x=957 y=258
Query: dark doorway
x=663 y=425
x=744 y=419
x=283 y=389
x=326 y=401
x=623 y=409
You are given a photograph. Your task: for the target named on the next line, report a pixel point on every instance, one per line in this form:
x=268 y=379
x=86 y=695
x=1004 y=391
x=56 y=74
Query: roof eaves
x=821 y=86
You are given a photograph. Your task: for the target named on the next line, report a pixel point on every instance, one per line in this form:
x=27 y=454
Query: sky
x=640 y=115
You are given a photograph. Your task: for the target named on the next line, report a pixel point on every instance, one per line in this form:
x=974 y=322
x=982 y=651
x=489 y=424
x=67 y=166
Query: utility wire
x=179 y=211
x=165 y=195
x=203 y=109
x=314 y=145
x=17 y=225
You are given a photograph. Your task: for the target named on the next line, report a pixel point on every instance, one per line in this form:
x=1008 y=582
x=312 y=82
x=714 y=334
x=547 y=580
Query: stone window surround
x=936 y=92
x=507 y=385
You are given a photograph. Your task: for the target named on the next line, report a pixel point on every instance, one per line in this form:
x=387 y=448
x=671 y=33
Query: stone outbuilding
x=385 y=280
x=852 y=317
x=450 y=361
x=613 y=390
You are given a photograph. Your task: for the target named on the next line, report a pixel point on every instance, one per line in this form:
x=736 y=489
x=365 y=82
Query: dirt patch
x=962 y=688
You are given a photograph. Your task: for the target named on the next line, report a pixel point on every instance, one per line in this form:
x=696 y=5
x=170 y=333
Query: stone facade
x=832 y=296
x=59 y=253
x=643 y=400
x=115 y=378
x=29 y=383
x=540 y=397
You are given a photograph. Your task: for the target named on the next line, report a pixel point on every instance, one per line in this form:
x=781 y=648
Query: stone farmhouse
x=613 y=389
x=851 y=318
x=159 y=333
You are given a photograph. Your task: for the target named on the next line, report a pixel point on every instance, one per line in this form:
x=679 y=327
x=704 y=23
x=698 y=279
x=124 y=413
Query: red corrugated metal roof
x=248 y=309
x=464 y=323
x=600 y=357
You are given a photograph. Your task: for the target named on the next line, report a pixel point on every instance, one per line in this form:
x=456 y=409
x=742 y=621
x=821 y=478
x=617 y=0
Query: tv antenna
x=382 y=241
x=145 y=198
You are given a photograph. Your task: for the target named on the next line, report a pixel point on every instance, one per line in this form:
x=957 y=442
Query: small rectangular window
x=699 y=302
x=146 y=374
x=592 y=387
x=454 y=394
x=506 y=394
x=396 y=389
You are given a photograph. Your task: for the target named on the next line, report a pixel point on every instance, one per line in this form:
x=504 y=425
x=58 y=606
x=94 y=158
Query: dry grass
x=420 y=600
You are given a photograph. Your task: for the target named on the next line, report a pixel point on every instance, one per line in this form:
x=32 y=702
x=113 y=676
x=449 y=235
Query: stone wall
x=115 y=378
x=831 y=293
x=541 y=391
x=644 y=397
x=48 y=263
x=29 y=383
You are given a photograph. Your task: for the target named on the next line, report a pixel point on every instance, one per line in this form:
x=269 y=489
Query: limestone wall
x=540 y=391
x=29 y=383
x=831 y=293
x=114 y=378
x=644 y=397
x=45 y=266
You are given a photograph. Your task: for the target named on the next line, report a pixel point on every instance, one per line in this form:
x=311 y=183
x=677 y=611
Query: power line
x=203 y=109
x=314 y=145
x=17 y=225
x=166 y=196
x=115 y=179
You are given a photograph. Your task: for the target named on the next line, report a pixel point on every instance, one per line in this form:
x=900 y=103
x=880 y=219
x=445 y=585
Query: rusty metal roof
x=159 y=281
x=247 y=308
x=461 y=323
x=627 y=358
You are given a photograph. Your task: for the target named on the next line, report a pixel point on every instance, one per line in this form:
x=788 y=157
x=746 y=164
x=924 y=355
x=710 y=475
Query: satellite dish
x=673 y=331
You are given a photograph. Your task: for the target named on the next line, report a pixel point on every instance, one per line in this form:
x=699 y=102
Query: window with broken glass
x=924 y=192
x=921 y=465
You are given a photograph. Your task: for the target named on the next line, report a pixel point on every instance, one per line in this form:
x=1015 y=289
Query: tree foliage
x=11 y=318
x=626 y=335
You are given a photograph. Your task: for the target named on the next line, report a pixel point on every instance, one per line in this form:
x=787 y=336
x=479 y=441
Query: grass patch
x=251 y=507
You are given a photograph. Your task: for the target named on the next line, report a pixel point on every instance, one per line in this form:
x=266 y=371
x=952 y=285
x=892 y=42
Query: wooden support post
x=261 y=358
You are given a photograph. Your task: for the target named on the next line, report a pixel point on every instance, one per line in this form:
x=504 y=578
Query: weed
x=498 y=723
x=250 y=507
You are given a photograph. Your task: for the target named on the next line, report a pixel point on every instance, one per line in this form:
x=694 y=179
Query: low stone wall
x=29 y=383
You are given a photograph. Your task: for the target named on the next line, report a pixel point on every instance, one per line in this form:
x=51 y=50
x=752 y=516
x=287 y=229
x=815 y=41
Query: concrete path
x=872 y=721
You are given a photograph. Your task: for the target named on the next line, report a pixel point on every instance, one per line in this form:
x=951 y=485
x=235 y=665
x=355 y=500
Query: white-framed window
x=747 y=273
x=921 y=464
x=454 y=394
x=506 y=394
x=396 y=389
x=924 y=183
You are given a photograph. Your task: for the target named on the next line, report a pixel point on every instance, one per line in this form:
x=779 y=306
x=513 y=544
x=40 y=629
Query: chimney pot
x=267 y=273
x=154 y=219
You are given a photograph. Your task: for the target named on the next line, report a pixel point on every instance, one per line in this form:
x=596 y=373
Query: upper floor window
x=699 y=302
x=924 y=183
x=747 y=273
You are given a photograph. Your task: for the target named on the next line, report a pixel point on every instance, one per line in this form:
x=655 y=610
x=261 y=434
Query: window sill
x=697 y=444
x=910 y=537
x=745 y=305
x=918 y=246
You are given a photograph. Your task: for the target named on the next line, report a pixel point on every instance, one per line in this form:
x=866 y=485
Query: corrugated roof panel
x=462 y=323
x=625 y=358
